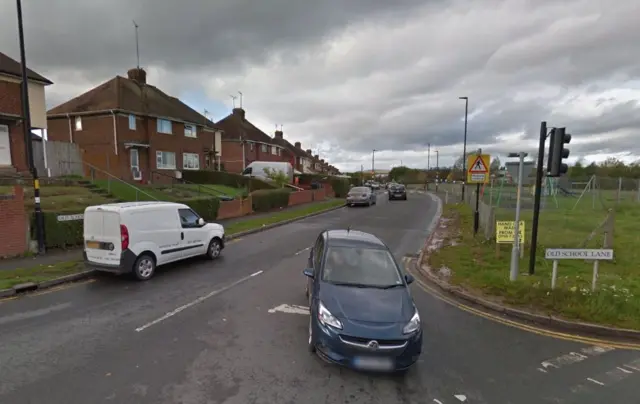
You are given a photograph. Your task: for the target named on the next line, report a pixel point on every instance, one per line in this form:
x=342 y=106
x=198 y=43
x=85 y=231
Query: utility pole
x=464 y=147
x=428 y=156
x=373 y=161
x=437 y=160
x=536 y=198
x=26 y=126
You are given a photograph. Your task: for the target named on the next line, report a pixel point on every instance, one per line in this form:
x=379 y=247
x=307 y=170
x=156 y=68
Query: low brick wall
x=13 y=224
x=300 y=197
x=319 y=194
x=235 y=208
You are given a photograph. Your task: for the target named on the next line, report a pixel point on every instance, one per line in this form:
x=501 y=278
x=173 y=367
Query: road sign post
x=597 y=255
x=478 y=173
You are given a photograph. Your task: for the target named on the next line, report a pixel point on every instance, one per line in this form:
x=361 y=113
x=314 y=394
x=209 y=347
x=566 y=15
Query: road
x=203 y=332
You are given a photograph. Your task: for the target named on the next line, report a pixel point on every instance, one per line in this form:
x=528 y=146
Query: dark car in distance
x=397 y=191
x=362 y=312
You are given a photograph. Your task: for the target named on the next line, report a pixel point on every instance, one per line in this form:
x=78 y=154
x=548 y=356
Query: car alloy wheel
x=214 y=249
x=144 y=267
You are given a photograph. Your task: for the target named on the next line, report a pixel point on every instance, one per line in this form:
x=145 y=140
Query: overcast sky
x=346 y=77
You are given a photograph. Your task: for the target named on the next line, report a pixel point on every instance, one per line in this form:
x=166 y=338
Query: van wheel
x=214 y=249
x=145 y=267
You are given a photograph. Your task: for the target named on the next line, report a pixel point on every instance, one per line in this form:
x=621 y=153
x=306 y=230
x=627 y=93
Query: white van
x=138 y=236
x=257 y=169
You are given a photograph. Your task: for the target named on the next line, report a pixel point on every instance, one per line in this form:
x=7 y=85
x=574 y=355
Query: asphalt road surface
x=234 y=331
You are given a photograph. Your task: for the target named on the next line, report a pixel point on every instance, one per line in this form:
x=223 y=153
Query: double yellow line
x=525 y=327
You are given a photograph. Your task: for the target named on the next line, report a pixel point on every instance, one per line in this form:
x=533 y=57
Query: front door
x=5 y=146
x=134 y=159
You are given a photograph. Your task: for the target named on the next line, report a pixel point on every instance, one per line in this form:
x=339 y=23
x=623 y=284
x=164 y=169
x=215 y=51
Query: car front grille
x=381 y=342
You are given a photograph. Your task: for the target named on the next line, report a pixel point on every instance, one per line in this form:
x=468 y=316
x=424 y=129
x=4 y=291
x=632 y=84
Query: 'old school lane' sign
x=578 y=254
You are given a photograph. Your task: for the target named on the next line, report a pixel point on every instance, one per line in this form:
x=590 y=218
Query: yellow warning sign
x=505 y=230
x=478 y=171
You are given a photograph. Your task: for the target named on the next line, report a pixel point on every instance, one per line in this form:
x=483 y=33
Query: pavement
x=209 y=332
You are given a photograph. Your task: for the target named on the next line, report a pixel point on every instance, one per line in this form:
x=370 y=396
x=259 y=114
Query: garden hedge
x=223 y=178
x=340 y=187
x=265 y=200
x=70 y=233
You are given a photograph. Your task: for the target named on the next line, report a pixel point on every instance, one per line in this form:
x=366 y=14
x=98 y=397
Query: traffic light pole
x=536 y=203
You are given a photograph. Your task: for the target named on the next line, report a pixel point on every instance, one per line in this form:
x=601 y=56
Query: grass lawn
x=60 y=198
x=276 y=217
x=214 y=190
x=125 y=192
x=474 y=264
x=40 y=273
x=166 y=192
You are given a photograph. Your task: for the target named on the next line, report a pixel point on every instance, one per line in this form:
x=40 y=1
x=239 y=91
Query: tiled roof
x=235 y=126
x=12 y=67
x=130 y=95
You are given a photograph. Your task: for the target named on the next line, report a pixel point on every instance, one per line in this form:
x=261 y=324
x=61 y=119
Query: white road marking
x=595 y=381
x=574 y=357
x=624 y=370
x=33 y=313
x=198 y=300
x=303 y=250
x=542 y=370
x=461 y=397
x=610 y=377
x=290 y=309
x=437 y=401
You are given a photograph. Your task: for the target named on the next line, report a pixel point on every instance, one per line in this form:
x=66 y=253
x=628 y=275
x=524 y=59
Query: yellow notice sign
x=505 y=231
x=478 y=171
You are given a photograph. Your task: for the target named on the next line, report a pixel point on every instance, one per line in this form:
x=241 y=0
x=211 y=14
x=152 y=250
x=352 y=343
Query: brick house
x=135 y=131
x=298 y=158
x=243 y=143
x=12 y=146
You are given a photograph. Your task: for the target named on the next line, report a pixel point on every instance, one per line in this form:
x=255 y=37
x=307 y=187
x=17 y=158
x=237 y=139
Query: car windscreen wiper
x=353 y=285
x=395 y=285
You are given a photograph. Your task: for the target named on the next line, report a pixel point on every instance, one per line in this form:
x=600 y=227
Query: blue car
x=362 y=312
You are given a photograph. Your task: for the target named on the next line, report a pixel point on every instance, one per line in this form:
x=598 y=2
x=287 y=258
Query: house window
x=190 y=131
x=251 y=146
x=165 y=160
x=190 y=161
x=164 y=126
x=132 y=122
x=78 y=123
x=274 y=150
x=263 y=148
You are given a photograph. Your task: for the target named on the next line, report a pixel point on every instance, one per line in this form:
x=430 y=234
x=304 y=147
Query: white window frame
x=161 y=126
x=250 y=146
x=78 y=123
x=190 y=130
x=163 y=163
x=263 y=148
x=132 y=122
x=190 y=161
x=274 y=150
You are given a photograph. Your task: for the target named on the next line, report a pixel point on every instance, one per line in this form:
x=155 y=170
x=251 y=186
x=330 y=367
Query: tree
x=495 y=165
x=277 y=176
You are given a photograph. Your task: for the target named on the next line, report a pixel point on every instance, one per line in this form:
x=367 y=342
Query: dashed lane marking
x=290 y=309
x=525 y=327
x=198 y=300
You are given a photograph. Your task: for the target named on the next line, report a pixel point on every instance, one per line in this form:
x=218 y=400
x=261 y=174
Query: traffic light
x=557 y=153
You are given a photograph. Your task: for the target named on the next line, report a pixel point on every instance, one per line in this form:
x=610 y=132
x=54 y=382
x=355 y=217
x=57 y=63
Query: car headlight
x=326 y=318
x=413 y=325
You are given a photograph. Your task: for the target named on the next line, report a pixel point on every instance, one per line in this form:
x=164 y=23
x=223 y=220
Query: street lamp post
x=428 y=156
x=26 y=126
x=464 y=147
x=373 y=161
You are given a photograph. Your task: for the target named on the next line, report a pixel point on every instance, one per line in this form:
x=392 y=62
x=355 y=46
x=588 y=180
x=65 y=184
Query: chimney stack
x=279 y=134
x=298 y=145
x=316 y=156
x=322 y=161
x=137 y=74
x=308 y=152
x=239 y=112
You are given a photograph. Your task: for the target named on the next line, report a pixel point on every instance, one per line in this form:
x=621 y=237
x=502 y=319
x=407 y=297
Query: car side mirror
x=409 y=279
x=201 y=222
x=308 y=272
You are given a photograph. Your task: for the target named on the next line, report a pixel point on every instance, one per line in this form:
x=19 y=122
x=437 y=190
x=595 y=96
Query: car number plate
x=93 y=244
x=373 y=363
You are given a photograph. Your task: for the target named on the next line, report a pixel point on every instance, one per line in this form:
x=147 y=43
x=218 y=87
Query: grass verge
x=40 y=273
x=258 y=222
x=474 y=264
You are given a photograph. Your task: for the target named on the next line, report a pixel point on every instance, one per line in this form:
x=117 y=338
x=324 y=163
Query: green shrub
x=309 y=178
x=207 y=208
x=59 y=234
x=224 y=178
x=340 y=187
x=265 y=200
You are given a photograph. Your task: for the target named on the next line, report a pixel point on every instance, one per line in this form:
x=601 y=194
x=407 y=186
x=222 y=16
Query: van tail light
x=124 y=237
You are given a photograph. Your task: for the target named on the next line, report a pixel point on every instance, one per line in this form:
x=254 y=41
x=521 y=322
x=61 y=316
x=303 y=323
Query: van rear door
x=102 y=239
